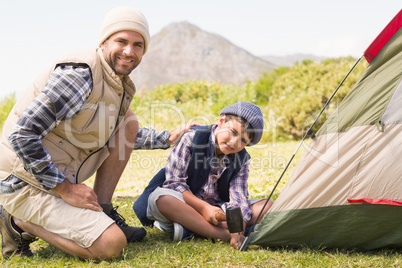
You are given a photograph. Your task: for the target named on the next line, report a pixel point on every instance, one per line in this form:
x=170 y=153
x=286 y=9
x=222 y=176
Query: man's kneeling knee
x=111 y=243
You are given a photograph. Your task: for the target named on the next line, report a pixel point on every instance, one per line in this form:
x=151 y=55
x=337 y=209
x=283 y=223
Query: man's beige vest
x=76 y=146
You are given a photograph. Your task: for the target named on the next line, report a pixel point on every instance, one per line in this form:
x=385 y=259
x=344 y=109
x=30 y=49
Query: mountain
x=182 y=51
x=289 y=60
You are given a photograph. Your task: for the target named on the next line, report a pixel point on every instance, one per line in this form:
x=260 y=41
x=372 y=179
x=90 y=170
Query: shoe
x=133 y=234
x=12 y=241
x=180 y=233
x=158 y=226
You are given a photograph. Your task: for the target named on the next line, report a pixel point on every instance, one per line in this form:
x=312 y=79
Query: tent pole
x=309 y=132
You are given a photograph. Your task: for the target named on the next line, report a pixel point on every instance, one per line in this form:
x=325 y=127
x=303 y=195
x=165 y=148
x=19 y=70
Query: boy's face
x=230 y=136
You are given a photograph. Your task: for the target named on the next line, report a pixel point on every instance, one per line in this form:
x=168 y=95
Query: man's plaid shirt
x=62 y=98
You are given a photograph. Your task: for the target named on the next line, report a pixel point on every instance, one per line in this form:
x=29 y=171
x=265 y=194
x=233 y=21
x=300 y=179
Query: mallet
x=233 y=218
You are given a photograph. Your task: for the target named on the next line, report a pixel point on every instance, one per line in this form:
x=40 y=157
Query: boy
x=206 y=173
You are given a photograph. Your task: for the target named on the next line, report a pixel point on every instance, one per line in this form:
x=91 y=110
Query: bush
x=299 y=94
x=263 y=87
x=6 y=104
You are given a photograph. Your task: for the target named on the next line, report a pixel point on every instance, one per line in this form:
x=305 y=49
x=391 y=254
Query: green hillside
x=289 y=97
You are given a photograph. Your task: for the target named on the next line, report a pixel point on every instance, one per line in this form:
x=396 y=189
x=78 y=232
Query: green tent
x=346 y=190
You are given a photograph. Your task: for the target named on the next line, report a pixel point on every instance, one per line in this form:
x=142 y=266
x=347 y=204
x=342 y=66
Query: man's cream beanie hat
x=125 y=18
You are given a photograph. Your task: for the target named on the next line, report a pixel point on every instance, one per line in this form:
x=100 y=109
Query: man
x=72 y=122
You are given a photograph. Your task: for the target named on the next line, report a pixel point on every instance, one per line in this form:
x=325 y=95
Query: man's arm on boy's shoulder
x=148 y=138
x=176 y=134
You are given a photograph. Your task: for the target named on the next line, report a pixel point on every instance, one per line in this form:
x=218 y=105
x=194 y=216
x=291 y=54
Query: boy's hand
x=237 y=241
x=206 y=210
x=209 y=214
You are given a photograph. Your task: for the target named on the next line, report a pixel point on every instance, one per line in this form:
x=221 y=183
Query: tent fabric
x=393 y=114
x=368 y=100
x=375 y=201
x=341 y=166
x=346 y=190
x=341 y=227
x=378 y=43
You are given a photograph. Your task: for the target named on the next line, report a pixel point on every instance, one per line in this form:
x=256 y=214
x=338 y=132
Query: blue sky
x=35 y=33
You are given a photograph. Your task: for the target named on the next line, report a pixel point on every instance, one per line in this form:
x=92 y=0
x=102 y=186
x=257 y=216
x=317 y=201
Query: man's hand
x=176 y=134
x=78 y=195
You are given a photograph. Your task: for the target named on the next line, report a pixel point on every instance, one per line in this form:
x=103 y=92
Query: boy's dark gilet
x=202 y=156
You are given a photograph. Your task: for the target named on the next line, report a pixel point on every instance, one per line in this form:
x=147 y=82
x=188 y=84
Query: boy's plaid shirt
x=176 y=176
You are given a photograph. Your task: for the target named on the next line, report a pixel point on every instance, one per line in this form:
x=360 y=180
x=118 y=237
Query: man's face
x=123 y=51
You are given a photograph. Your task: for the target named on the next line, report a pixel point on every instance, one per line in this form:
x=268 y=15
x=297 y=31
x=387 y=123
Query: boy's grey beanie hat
x=251 y=113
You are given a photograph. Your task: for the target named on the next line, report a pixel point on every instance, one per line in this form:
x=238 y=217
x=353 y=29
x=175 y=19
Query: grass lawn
x=157 y=249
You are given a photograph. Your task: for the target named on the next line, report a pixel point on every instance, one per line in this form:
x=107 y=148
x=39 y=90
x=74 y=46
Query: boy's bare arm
x=202 y=207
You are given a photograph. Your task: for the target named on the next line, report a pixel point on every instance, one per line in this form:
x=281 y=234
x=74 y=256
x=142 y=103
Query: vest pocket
x=56 y=145
x=65 y=156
